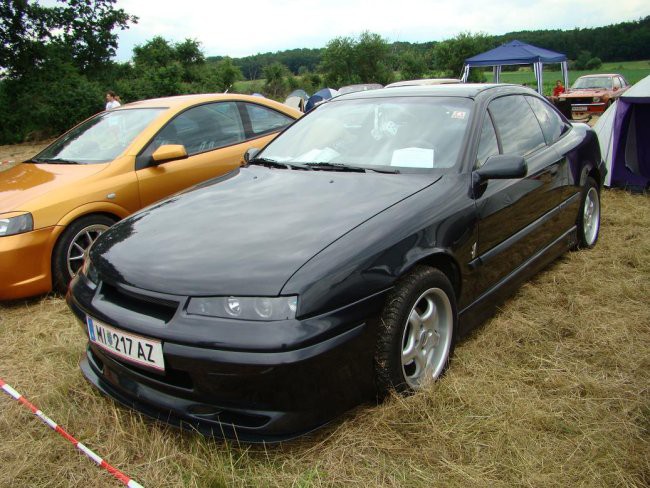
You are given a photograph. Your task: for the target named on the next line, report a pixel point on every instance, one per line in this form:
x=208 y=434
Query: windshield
x=100 y=139
x=417 y=133
x=593 y=82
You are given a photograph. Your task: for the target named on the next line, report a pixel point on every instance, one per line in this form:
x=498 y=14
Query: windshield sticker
x=459 y=114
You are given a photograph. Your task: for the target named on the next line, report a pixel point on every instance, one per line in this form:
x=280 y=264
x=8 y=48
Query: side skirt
x=486 y=304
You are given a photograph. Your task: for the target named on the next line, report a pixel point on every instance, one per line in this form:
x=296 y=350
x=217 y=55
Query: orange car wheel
x=71 y=248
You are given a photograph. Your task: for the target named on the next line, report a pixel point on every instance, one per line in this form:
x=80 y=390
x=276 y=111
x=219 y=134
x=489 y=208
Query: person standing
x=112 y=100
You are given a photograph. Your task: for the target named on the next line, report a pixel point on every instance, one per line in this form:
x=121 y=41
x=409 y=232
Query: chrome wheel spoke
x=80 y=244
x=426 y=339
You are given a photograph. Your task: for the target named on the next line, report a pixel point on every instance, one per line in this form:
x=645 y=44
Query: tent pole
x=465 y=73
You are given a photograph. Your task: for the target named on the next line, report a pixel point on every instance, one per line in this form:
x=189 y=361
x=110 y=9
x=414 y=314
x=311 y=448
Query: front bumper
x=25 y=265
x=588 y=108
x=267 y=391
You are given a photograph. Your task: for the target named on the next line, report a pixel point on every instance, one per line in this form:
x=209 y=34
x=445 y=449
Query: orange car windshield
x=593 y=82
x=100 y=139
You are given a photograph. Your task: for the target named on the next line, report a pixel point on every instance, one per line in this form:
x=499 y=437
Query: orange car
x=53 y=206
x=591 y=95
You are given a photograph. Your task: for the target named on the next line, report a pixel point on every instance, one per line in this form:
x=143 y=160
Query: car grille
x=581 y=100
x=153 y=306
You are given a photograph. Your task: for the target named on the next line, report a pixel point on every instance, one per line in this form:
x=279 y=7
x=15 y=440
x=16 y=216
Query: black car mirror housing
x=502 y=167
x=498 y=167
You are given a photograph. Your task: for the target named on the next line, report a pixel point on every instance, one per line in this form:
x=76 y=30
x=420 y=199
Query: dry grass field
x=551 y=392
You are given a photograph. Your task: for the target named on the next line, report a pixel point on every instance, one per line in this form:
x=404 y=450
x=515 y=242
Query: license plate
x=131 y=347
x=579 y=108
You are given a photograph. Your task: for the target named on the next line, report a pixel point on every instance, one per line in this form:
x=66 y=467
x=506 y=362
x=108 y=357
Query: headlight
x=245 y=308
x=16 y=225
x=89 y=271
x=596 y=99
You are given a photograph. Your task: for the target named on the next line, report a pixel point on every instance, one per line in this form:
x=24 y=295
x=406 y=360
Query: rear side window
x=516 y=125
x=552 y=125
x=265 y=120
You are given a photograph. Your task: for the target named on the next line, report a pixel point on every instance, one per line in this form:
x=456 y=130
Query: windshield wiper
x=52 y=161
x=276 y=164
x=350 y=168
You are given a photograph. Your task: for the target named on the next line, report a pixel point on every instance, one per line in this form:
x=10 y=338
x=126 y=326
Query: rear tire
x=417 y=333
x=589 y=215
x=69 y=251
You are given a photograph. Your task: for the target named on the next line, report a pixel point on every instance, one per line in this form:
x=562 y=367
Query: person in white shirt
x=112 y=100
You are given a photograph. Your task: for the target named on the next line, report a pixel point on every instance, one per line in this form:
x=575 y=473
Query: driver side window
x=199 y=129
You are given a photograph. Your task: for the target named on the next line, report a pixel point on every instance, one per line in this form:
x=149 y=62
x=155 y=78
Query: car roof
x=424 y=81
x=599 y=75
x=182 y=101
x=468 y=90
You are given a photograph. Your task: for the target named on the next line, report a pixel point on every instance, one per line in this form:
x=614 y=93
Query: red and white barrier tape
x=49 y=422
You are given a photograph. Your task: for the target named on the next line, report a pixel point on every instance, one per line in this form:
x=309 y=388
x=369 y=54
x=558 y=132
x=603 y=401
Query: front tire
x=589 y=215
x=417 y=333
x=71 y=247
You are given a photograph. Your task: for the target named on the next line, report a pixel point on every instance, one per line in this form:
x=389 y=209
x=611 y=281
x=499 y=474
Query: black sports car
x=343 y=261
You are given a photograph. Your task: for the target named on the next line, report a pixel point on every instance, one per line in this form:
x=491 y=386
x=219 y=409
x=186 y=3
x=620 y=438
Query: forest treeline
x=627 y=41
x=57 y=62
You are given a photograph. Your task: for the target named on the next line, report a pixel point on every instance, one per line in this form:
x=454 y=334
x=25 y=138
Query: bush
x=594 y=63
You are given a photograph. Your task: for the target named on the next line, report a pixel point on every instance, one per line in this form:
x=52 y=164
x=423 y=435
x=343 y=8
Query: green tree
x=449 y=56
x=338 y=64
x=156 y=53
x=594 y=63
x=347 y=60
x=583 y=60
x=372 y=54
x=276 y=83
x=83 y=29
x=412 y=65
x=227 y=74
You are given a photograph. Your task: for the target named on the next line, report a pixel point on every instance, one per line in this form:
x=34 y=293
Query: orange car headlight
x=16 y=225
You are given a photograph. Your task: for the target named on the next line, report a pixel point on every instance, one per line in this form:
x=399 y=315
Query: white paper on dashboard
x=413 y=157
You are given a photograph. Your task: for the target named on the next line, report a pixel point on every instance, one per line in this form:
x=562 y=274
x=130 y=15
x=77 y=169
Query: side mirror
x=168 y=152
x=499 y=167
x=250 y=154
x=502 y=167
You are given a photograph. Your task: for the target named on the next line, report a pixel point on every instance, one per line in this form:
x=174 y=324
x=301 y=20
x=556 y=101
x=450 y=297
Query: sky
x=238 y=28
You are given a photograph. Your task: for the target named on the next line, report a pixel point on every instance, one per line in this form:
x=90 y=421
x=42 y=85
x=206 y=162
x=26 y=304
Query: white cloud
x=241 y=28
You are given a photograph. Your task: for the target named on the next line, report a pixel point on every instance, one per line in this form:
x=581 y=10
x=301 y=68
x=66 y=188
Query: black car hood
x=247 y=232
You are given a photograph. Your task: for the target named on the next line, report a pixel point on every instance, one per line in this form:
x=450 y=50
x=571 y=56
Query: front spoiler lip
x=207 y=428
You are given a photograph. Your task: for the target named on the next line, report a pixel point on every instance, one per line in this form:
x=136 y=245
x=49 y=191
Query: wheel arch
x=64 y=224
x=107 y=209
x=444 y=262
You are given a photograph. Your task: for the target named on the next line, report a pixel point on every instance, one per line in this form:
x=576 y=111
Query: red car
x=592 y=94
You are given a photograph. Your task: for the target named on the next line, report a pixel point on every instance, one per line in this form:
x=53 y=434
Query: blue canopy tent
x=517 y=52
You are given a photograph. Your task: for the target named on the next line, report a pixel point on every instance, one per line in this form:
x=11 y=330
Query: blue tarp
x=515 y=52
